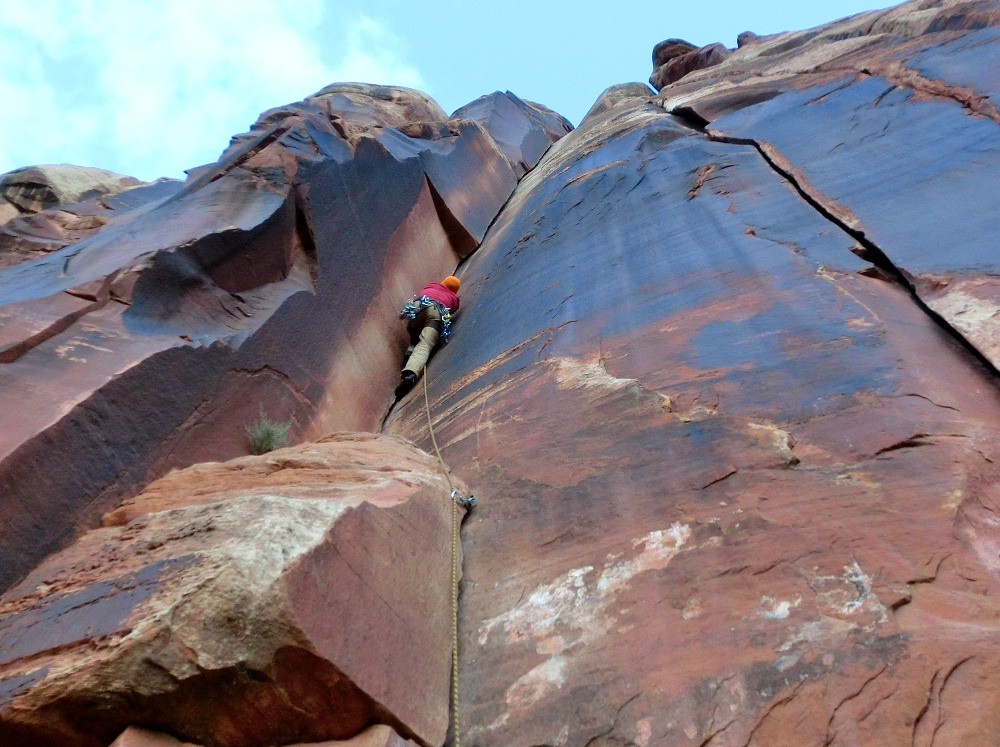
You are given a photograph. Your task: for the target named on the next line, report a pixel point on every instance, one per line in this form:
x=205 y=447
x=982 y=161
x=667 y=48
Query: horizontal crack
x=907 y=443
x=719 y=479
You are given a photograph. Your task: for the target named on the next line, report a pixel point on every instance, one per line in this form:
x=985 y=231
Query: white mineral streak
x=773 y=609
x=578 y=604
x=844 y=602
x=258 y=537
x=576 y=373
x=977 y=319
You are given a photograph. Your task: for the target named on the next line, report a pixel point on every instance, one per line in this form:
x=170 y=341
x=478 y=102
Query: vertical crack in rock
x=463 y=242
x=869 y=250
x=770 y=709
x=614 y=723
x=940 y=696
x=305 y=240
x=831 y=732
x=934 y=705
x=924 y=710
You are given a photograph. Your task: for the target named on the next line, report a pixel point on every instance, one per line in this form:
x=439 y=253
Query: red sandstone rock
x=35 y=188
x=32 y=235
x=270 y=277
x=615 y=95
x=521 y=129
x=376 y=736
x=735 y=484
x=917 y=105
x=678 y=65
x=297 y=596
x=669 y=49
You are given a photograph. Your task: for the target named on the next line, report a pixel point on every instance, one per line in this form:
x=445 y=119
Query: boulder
x=678 y=65
x=669 y=49
x=298 y=596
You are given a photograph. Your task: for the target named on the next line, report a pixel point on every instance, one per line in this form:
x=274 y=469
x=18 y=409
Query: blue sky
x=152 y=87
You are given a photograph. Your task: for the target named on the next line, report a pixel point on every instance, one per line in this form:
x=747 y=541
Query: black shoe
x=406 y=383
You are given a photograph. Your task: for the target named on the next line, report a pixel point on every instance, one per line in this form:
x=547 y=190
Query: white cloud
x=370 y=57
x=151 y=88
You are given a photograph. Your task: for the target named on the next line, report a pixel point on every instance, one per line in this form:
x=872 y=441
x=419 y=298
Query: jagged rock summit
x=724 y=382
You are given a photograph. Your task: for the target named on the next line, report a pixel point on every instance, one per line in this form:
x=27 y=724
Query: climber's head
x=452 y=283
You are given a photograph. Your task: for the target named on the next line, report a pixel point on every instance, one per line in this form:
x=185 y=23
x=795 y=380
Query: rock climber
x=430 y=314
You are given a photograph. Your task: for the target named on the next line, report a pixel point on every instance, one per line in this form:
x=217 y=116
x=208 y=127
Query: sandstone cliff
x=724 y=383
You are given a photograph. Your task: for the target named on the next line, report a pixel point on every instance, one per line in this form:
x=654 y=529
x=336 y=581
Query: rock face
x=725 y=382
x=296 y=596
x=270 y=277
x=735 y=479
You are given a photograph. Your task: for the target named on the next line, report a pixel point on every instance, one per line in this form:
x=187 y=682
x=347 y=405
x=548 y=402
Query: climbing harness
x=456 y=500
x=415 y=305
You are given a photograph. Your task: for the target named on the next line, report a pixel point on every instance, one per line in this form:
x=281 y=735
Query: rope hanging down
x=456 y=500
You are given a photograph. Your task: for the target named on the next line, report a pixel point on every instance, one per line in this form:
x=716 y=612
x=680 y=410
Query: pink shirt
x=437 y=292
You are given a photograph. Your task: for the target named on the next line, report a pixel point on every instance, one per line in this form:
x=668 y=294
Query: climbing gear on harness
x=415 y=305
x=456 y=501
x=463 y=502
x=452 y=283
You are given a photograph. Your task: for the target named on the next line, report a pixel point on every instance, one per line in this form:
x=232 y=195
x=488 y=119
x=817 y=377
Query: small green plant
x=266 y=435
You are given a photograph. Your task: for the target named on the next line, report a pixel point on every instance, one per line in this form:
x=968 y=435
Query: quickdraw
x=415 y=305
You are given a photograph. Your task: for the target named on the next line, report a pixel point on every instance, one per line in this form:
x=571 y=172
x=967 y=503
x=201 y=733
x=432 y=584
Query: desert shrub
x=266 y=435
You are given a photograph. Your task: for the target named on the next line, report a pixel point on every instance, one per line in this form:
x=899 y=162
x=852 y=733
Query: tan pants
x=429 y=336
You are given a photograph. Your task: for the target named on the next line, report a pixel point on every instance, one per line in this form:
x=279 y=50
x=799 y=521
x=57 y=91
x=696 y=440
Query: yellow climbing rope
x=454 y=570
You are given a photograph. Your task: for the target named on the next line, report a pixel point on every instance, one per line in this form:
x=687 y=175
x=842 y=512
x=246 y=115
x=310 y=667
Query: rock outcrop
x=33 y=189
x=673 y=59
x=296 y=596
x=725 y=383
x=270 y=277
x=736 y=476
